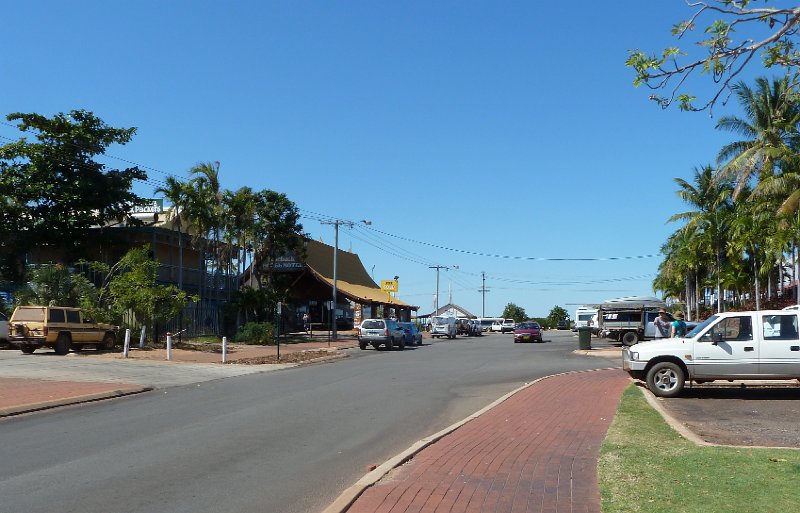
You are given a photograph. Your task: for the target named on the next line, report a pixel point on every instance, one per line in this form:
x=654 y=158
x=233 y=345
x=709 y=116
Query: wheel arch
x=667 y=358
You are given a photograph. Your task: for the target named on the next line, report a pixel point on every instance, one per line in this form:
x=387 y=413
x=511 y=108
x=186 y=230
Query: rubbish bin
x=585 y=337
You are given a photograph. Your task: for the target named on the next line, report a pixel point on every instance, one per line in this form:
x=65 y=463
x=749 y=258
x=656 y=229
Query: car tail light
x=386 y=332
x=44 y=331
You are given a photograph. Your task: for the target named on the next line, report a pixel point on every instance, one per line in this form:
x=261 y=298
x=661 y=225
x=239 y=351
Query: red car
x=528 y=331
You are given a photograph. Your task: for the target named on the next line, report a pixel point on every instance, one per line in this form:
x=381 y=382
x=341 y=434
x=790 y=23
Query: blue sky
x=499 y=128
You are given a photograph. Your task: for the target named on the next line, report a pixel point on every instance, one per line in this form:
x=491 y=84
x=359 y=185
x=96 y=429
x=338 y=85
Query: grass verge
x=646 y=466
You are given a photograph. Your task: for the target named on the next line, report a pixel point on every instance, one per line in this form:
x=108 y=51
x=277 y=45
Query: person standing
x=678 y=326
x=305 y=322
x=662 y=324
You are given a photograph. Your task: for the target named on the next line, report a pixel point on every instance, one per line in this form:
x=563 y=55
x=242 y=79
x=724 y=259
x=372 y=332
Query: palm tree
x=769 y=130
x=708 y=222
x=176 y=193
x=204 y=209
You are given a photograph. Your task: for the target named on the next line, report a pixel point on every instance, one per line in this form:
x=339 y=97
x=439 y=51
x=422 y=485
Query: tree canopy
x=53 y=189
x=719 y=38
x=512 y=311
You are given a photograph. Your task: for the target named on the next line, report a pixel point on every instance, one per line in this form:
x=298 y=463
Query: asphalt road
x=287 y=441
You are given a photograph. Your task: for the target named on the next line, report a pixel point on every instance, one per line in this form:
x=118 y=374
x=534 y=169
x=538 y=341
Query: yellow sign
x=389 y=285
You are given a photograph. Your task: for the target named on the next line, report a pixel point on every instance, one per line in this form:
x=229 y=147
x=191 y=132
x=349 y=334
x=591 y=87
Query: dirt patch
x=294 y=357
x=755 y=415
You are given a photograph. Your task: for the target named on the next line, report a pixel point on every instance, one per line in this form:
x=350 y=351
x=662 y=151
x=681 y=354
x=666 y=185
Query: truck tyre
x=362 y=344
x=27 y=348
x=108 y=343
x=666 y=379
x=62 y=344
x=630 y=338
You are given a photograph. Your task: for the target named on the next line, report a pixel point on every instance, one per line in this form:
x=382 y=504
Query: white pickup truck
x=749 y=345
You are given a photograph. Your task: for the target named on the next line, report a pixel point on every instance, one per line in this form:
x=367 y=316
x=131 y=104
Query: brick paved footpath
x=535 y=452
x=19 y=395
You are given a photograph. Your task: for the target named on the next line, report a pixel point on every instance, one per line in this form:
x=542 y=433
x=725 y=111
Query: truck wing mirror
x=716 y=338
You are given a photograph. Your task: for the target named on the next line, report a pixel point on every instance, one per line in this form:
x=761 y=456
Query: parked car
x=529 y=331
x=462 y=326
x=412 y=333
x=442 y=326
x=497 y=327
x=59 y=327
x=381 y=332
x=475 y=328
x=748 y=345
x=561 y=325
x=508 y=326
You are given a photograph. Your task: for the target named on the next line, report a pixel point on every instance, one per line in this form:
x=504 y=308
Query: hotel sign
x=286 y=263
x=389 y=285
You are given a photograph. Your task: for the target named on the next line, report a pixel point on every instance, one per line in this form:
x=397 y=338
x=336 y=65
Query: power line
x=516 y=257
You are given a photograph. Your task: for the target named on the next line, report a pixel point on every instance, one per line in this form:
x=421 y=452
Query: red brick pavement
x=18 y=395
x=535 y=452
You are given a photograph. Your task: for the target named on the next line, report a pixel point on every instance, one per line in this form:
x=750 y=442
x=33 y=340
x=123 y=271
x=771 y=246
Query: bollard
x=224 y=349
x=141 y=339
x=127 y=342
x=169 y=346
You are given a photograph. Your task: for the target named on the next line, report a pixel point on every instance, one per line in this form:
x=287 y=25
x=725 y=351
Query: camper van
x=586 y=317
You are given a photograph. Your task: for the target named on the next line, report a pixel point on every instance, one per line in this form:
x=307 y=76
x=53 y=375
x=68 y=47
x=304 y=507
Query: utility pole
x=483 y=290
x=437 y=267
x=336 y=223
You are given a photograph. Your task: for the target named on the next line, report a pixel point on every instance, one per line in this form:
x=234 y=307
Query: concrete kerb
x=55 y=403
x=351 y=494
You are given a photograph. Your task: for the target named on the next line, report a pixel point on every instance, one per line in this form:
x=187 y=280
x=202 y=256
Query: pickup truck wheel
x=665 y=379
x=62 y=344
x=362 y=344
x=630 y=338
x=108 y=343
x=27 y=348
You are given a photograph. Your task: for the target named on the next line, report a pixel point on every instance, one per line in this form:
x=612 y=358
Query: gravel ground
x=732 y=414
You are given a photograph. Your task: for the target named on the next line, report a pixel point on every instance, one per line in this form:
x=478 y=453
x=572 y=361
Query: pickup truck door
x=727 y=348
x=780 y=349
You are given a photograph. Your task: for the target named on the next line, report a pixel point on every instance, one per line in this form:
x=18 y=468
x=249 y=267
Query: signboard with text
x=389 y=285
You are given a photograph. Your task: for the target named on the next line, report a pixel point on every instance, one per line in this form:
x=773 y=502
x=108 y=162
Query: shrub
x=256 y=333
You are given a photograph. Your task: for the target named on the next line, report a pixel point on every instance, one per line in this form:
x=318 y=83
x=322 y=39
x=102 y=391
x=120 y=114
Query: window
x=780 y=327
x=56 y=315
x=373 y=325
x=731 y=329
x=73 y=316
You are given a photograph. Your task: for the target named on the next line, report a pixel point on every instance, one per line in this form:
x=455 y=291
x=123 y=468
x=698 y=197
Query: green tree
x=131 y=286
x=720 y=38
x=709 y=220
x=557 y=314
x=55 y=284
x=177 y=194
x=512 y=311
x=769 y=128
x=53 y=190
